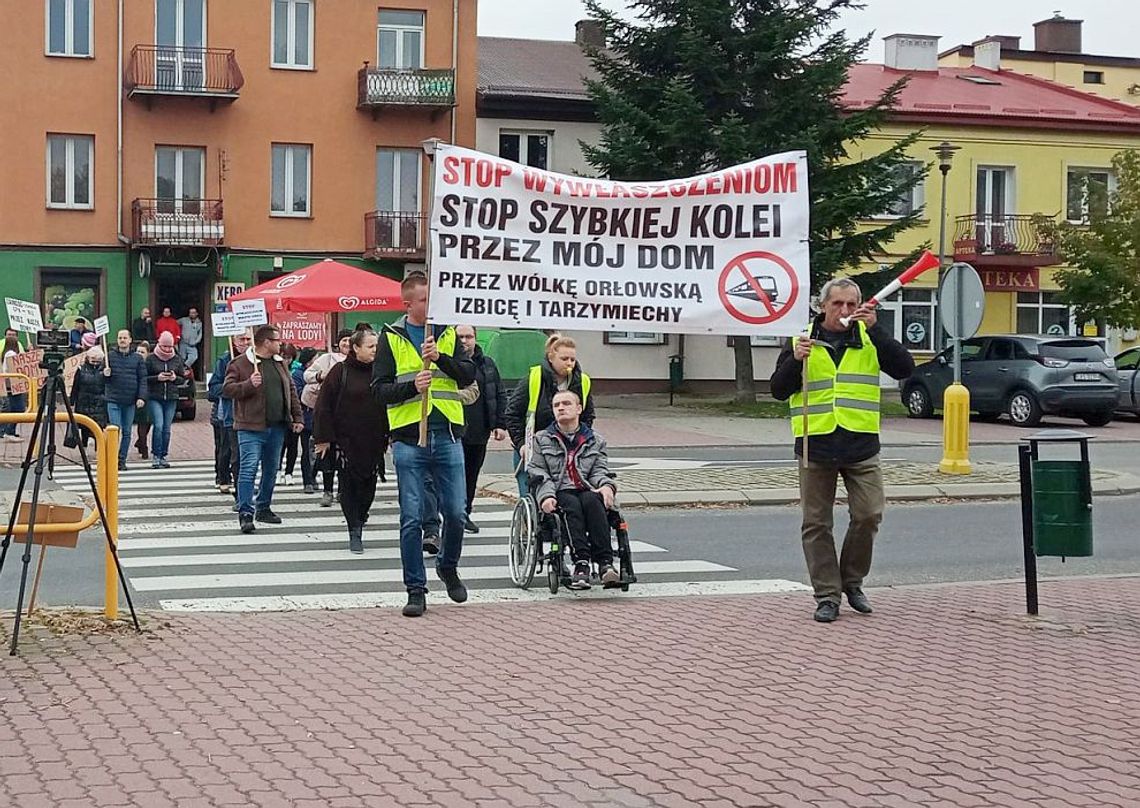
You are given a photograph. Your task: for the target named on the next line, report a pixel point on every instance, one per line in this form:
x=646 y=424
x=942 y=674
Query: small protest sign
x=224 y=324
x=249 y=312
x=24 y=316
x=102 y=325
x=27 y=363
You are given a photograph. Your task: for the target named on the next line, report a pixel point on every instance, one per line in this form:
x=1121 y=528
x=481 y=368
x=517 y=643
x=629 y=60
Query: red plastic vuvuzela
x=925 y=261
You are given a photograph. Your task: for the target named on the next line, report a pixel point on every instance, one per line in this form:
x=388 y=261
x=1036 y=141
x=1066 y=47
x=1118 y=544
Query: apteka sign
x=722 y=253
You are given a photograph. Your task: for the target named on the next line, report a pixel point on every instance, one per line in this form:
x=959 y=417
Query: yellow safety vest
x=536 y=385
x=846 y=396
x=443 y=395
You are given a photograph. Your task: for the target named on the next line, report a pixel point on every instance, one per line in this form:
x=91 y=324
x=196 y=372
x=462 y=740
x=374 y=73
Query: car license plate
x=1087 y=377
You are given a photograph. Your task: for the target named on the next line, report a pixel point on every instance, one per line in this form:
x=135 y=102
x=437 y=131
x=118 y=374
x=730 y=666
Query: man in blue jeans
x=398 y=381
x=125 y=390
x=265 y=405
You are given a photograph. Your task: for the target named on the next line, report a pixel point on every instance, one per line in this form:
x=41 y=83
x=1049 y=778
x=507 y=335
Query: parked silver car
x=1127 y=364
x=1024 y=377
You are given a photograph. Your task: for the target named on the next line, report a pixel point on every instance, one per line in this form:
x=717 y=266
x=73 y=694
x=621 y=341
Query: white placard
x=24 y=316
x=102 y=326
x=224 y=324
x=249 y=312
x=722 y=253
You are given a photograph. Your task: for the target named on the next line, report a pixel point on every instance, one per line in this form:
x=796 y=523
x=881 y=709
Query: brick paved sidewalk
x=946 y=696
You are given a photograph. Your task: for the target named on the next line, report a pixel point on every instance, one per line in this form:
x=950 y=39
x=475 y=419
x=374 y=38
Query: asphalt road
x=918 y=543
x=1114 y=456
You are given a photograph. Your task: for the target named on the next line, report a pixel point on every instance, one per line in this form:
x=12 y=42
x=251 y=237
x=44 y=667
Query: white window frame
x=917 y=193
x=636 y=338
x=291 y=62
x=71 y=142
x=68 y=51
x=180 y=176
x=896 y=304
x=522 y=135
x=1039 y=307
x=1086 y=170
x=288 y=181
x=397 y=178
x=399 y=30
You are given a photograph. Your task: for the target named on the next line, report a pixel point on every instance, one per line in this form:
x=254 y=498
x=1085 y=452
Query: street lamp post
x=956 y=398
x=945 y=153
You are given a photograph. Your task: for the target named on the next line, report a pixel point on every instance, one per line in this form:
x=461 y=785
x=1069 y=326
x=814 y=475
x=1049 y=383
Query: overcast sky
x=1109 y=26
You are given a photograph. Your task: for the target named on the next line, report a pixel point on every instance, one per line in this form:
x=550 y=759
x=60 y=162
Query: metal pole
x=1024 y=457
x=940 y=342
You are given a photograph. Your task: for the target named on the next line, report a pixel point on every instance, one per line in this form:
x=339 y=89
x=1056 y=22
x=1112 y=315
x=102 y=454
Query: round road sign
x=961 y=283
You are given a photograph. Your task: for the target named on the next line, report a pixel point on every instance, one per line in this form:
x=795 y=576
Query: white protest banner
x=249 y=312
x=24 y=316
x=722 y=253
x=224 y=324
x=102 y=326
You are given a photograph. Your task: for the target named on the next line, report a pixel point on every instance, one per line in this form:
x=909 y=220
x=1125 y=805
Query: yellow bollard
x=955 y=430
x=109 y=475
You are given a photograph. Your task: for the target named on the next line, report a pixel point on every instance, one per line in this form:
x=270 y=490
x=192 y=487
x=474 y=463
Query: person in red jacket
x=167 y=323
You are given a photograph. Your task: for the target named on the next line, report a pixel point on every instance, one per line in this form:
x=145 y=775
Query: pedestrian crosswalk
x=181 y=548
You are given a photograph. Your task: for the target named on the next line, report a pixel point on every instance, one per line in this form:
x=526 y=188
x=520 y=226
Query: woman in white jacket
x=315 y=375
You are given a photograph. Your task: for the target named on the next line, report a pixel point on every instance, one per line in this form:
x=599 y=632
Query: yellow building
x=1057 y=55
x=1027 y=148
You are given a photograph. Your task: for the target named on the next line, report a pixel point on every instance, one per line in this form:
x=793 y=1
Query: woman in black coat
x=347 y=415
x=88 y=392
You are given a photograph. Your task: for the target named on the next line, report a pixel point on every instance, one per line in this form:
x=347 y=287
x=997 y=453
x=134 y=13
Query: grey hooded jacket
x=547 y=464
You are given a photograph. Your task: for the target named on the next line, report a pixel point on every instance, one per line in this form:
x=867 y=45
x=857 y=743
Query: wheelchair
x=540 y=543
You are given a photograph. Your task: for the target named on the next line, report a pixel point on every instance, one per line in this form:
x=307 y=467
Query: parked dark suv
x=1024 y=377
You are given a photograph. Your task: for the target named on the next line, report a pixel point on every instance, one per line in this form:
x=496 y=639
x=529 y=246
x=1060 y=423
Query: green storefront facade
x=119 y=282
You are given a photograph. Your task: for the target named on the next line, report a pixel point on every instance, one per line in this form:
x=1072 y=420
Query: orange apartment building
x=165 y=152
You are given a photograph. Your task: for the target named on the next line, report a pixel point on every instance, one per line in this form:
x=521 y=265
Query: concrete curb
x=1120 y=484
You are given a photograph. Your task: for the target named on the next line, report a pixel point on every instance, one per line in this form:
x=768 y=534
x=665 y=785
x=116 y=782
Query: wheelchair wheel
x=553 y=576
x=522 y=551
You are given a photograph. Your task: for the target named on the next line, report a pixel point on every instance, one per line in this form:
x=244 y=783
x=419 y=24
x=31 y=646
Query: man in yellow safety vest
x=398 y=382
x=842 y=429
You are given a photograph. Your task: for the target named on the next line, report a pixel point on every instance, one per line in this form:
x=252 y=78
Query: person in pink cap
x=164 y=368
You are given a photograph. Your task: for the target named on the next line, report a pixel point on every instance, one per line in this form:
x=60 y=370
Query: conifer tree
x=692 y=86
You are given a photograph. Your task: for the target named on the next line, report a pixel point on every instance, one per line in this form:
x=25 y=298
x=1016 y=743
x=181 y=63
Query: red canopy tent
x=327 y=287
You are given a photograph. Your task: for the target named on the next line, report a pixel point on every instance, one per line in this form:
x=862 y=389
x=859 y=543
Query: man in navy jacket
x=125 y=391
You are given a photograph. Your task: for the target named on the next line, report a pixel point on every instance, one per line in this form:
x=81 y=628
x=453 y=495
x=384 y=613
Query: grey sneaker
x=326 y=500
x=581 y=576
x=610 y=576
x=431 y=545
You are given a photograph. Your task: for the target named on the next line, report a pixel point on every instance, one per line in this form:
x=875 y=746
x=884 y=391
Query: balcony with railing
x=178 y=222
x=1011 y=239
x=395 y=235
x=378 y=88
x=166 y=70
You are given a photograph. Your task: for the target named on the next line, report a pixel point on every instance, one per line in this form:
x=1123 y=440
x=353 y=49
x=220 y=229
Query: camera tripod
x=42 y=447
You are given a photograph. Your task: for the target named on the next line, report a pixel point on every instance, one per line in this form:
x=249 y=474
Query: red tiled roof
x=1015 y=99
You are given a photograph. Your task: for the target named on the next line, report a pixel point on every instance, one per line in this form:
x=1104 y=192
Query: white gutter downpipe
x=454 y=61
x=119 y=136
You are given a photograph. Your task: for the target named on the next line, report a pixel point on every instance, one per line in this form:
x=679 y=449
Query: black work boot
x=857 y=600
x=417 y=605
x=455 y=588
x=245 y=522
x=826 y=611
x=356 y=539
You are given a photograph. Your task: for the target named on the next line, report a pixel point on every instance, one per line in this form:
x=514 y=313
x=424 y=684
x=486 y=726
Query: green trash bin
x=1062 y=498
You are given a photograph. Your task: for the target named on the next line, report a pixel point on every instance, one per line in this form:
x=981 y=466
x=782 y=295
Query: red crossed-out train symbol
x=758 y=287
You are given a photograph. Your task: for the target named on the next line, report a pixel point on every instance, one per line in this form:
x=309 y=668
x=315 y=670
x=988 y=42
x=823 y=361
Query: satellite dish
x=144 y=264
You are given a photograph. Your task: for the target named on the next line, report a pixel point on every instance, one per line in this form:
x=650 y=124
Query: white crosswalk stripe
x=180 y=544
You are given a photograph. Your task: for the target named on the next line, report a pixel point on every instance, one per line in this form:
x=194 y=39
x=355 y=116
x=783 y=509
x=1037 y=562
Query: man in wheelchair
x=569 y=471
